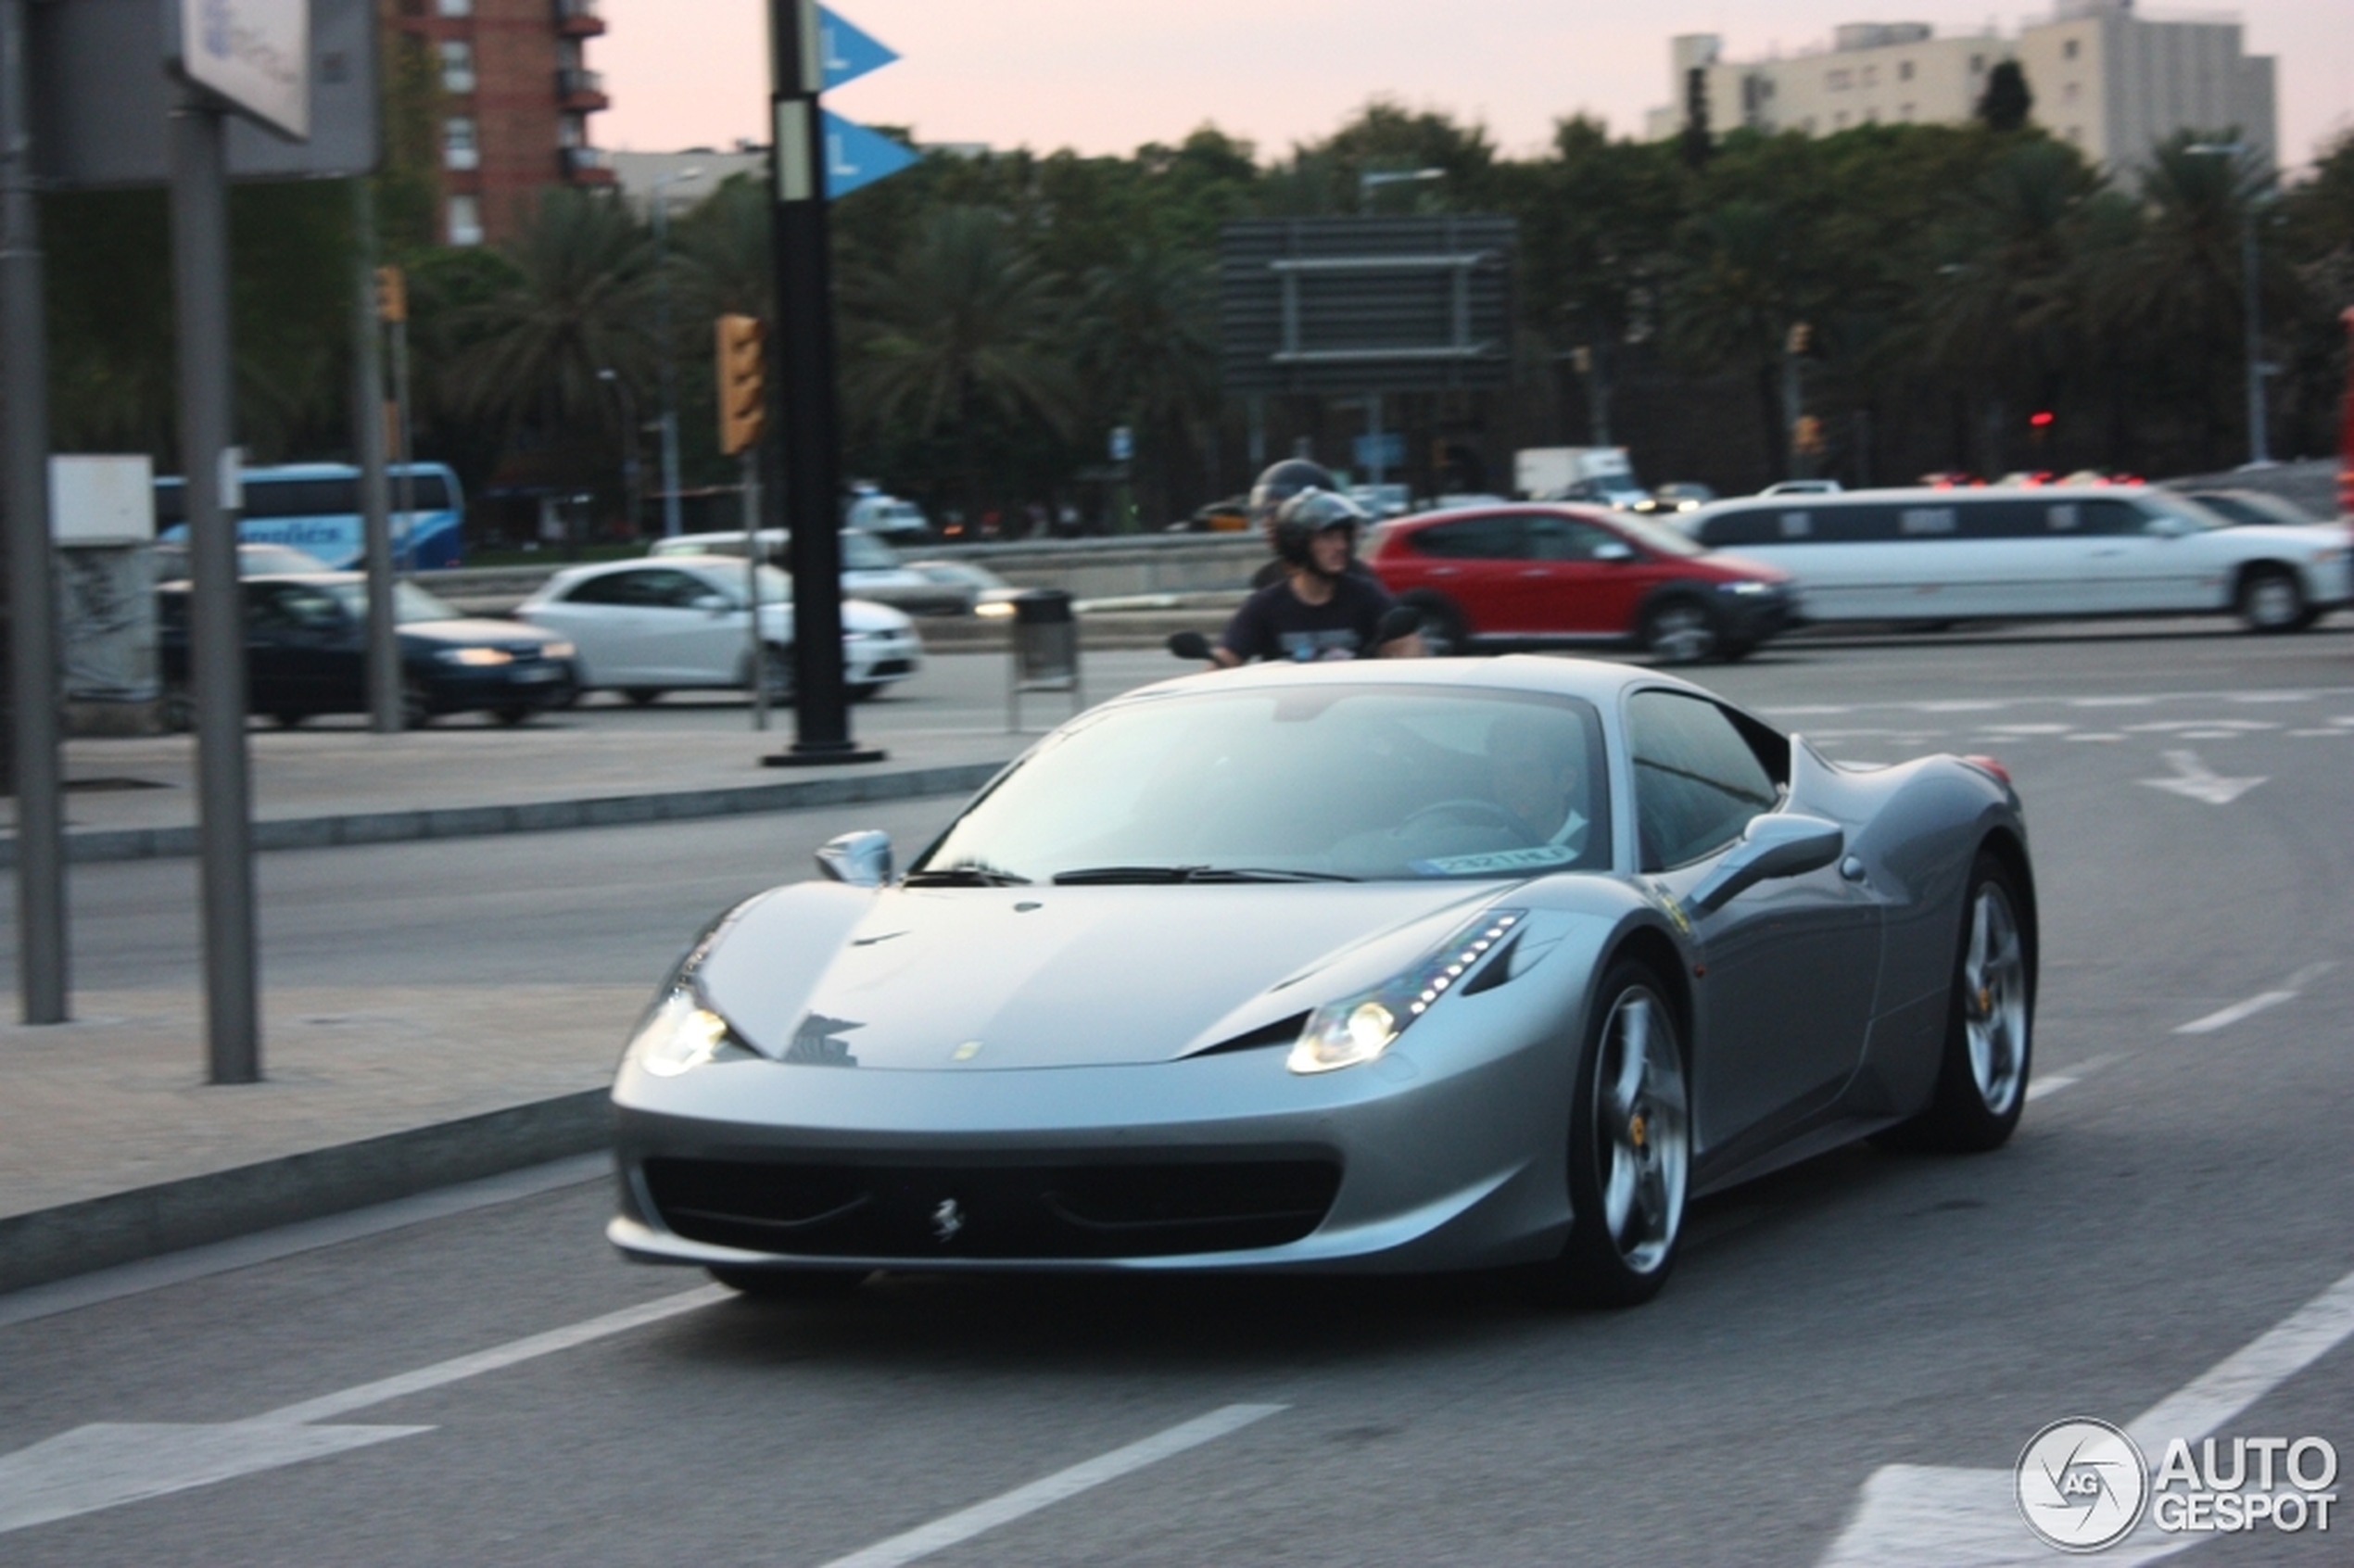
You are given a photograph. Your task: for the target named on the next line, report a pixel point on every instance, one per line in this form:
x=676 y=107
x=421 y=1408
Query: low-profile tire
x=1680 y=631
x=2272 y=600
x=642 y=696
x=1629 y=1148
x=416 y=705
x=1441 y=625
x=1990 y=1017
x=791 y=1284
x=867 y=692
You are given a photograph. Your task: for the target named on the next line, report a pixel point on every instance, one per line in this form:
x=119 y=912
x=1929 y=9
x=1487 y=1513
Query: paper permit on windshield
x=1537 y=857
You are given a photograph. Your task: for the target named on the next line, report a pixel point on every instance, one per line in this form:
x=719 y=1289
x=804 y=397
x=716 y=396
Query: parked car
x=1681 y=496
x=645 y=627
x=307 y=653
x=2251 y=508
x=1423 y=992
x=993 y=596
x=887 y=517
x=1800 y=487
x=870 y=569
x=2007 y=553
x=169 y=559
x=1541 y=573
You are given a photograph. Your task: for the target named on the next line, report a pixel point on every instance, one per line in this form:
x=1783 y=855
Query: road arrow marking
x=109 y=1463
x=1930 y=1516
x=2195 y=779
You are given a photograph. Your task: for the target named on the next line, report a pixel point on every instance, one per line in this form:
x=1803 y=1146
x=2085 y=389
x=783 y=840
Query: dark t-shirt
x=1275 y=623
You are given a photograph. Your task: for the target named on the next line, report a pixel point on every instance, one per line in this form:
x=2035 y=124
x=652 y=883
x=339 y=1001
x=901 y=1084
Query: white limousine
x=2006 y=553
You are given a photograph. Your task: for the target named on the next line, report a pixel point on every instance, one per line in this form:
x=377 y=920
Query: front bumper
x=1426 y=1167
x=877 y=658
x=535 y=683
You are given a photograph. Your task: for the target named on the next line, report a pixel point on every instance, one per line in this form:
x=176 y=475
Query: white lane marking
x=107 y=1464
x=264 y=1246
x=2225 y=1017
x=2096 y=735
x=2043 y=1086
x=2074 y=1075
x=530 y=1348
x=2193 y=779
x=967 y=1523
x=1931 y=1516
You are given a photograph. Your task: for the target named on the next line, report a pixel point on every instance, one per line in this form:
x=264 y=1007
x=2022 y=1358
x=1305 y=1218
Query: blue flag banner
x=848 y=52
x=855 y=155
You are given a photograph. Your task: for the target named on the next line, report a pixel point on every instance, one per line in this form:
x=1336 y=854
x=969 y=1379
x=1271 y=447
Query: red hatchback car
x=1558 y=573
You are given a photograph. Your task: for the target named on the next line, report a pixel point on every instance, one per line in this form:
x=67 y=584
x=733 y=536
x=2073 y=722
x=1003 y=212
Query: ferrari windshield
x=1323 y=782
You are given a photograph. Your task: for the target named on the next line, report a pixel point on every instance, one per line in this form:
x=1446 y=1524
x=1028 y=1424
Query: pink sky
x=1104 y=76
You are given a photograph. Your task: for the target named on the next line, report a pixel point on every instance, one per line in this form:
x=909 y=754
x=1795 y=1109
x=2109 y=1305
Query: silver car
x=1422 y=965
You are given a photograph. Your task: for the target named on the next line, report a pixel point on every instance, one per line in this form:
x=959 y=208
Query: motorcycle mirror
x=1189 y=645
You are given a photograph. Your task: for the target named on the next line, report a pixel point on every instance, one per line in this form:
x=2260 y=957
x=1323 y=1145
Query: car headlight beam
x=475 y=657
x=1359 y=1028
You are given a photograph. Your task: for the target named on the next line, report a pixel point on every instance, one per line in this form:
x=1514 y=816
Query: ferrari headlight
x=1359 y=1028
x=681 y=1033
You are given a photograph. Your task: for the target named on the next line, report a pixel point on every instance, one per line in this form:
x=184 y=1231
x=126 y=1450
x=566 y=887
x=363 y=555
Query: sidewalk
x=112 y=1147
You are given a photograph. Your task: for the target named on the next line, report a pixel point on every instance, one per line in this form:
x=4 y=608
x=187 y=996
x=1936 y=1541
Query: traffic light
x=743 y=397
x=1807 y=437
x=1802 y=334
x=392 y=295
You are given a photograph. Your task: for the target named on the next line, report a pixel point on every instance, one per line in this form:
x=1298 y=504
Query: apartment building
x=516 y=94
x=2109 y=79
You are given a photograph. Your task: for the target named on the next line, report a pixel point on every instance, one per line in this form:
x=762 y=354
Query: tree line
x=1963 y=297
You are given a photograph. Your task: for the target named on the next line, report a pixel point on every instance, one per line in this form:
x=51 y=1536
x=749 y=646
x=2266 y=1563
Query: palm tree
x=1145 y=340
x=1735 y=300
x=958 y=327
x=577 y=302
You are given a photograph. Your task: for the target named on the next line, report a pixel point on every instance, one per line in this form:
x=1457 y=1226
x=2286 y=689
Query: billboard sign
x=1353 y=306
x=254 y=54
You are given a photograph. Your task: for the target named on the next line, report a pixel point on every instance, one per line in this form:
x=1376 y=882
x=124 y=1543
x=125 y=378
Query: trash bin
x=1046 y=650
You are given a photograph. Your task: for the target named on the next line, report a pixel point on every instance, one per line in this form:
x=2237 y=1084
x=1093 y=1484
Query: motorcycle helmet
x=1307 y=514
x=1282 y=481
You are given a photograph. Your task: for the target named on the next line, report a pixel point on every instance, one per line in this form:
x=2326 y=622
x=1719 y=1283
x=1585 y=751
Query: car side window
x=287 y=607
x=1474 y=538
x=1698 y=779
x=611 y=588
x=669 y=588
x=1565 y=538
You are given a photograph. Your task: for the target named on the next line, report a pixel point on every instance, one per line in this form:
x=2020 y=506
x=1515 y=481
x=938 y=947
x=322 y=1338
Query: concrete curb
x=75 y=1238
x=530 y=817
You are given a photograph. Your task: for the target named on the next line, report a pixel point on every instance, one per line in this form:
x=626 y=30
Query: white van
x=2005 y=554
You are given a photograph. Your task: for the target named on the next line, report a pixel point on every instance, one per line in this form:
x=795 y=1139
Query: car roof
x=1599 y=681
x=1521 y=508
x=1930 y=495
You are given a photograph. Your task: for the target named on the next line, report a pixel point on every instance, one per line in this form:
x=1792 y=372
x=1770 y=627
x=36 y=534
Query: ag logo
x=2081 y=1484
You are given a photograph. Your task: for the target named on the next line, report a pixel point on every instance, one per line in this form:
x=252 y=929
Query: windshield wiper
x=964 y=877
x=1104 y=874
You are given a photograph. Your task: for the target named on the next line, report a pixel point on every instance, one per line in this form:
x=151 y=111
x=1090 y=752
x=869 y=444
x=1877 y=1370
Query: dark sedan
x=307 y=653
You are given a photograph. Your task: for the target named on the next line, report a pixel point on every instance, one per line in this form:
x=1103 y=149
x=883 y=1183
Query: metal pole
x=24 y=501
x=802 y=369
x=1372 y=433
x=216 y=619
x=670 y=520
x=375 y=500
x=406 y=536
x=749 y=466
x=2258 y=447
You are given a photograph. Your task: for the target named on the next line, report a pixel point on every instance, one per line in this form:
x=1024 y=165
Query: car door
x=292 y=653
x=1789 y=968
x=1574 y=584
x=601 y=615
x=2140 y=558
x=699 y=624
x=1474 y=562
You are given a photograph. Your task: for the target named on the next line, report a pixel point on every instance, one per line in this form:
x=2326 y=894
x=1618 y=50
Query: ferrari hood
x=973 y=979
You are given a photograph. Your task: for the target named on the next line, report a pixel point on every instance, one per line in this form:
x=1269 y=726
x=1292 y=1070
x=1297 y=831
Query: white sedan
x=645 y=627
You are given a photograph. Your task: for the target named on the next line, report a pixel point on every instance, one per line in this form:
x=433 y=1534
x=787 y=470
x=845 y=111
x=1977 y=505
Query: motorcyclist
x=1277 y=484
x=1319 y=609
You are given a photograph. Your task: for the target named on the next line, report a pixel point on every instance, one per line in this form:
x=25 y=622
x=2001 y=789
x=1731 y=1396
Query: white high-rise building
x=2104 y=78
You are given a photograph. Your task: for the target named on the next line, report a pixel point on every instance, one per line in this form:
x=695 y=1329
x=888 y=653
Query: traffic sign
x=847 y=52
x=855 y=155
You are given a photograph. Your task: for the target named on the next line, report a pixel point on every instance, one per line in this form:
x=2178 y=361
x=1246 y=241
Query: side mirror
x=861 y=859
x=1399 y=620
x=1779 y=844
x=1610 y=550
x=1189 y=645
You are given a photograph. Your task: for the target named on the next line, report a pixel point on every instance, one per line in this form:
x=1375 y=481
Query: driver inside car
x=1533 y=769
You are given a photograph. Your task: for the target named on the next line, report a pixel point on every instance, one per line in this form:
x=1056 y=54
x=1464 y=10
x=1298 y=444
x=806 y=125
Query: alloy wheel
x=1642 y=1133
x=1995 y=999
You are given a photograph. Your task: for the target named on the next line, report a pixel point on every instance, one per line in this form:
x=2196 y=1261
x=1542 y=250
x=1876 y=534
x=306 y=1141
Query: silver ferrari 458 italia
x=1369 y=967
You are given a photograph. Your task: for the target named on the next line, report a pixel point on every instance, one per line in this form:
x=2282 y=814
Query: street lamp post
x=2259 y=452
x=628 y=443
x=670 y=523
